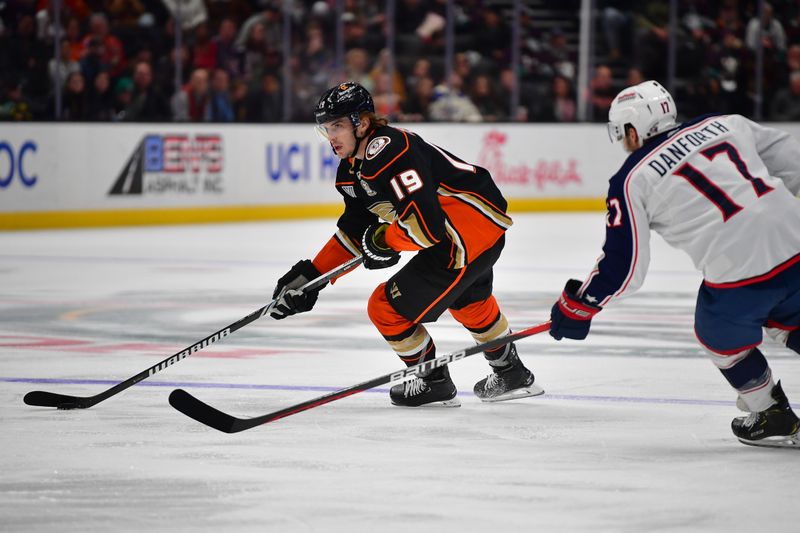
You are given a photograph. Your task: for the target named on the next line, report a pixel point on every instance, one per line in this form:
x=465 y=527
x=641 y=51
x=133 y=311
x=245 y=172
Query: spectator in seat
x=356 y=67
x=14 y=105
x=147 y=104
x=416 y=106
x=785 y=106
x=265 y=104
x=64 y=66
x=74 y=102
x=387 y=102
x=450 y=104
x=224 y=42
x=221 y=105
x=773 y=36
x=204 y=51
x=484 y=95
x=602 y=92
x=101 y=99
x=113 y=53
x=562 y=106
x=192 y=103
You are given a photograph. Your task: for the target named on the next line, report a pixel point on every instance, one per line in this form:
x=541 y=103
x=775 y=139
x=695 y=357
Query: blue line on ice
x=547 y=396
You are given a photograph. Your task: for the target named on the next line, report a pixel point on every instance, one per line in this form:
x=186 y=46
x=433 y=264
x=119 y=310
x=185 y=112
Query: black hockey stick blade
x=62 y=401
x=52 y=399
x=212 y=417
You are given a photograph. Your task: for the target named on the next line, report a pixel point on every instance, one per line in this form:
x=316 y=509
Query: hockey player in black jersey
x=403 y=194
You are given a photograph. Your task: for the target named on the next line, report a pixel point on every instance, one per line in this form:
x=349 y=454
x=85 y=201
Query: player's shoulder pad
x=386 y=145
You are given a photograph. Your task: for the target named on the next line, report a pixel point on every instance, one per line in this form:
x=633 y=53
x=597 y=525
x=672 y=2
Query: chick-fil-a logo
x=543 y=172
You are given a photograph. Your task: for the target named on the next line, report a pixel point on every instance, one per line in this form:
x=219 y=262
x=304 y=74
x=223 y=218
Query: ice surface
x=632 y=435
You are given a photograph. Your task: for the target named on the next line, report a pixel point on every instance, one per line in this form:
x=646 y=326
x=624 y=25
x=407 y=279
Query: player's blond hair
x=374 y=120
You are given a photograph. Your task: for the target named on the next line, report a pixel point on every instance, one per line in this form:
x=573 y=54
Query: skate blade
x=522 y=392
x=455 y=402
x=788 y=441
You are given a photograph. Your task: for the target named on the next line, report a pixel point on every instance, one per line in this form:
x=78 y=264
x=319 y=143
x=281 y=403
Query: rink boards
x=76 y=175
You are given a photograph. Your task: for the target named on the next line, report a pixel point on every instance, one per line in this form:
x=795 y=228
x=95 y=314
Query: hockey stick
x=205 y=414
x=63 y=401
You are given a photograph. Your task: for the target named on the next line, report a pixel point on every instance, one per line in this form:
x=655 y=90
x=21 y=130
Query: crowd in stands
x=117 y=59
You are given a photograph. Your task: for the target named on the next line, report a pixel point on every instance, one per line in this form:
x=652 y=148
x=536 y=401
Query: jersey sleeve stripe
x=347 y=243
x=418 y=223
x=337 y=250
x=458 y=251
x=395 y=158
x=411 y=227
x=456 y=163
x=634 y=228
x=486 y=208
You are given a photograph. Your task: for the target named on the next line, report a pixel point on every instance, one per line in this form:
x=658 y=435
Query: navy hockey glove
x=378 y=254
x=571 y=315
x=291 y=300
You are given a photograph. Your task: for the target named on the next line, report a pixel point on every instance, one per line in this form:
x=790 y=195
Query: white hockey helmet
x=648 y=107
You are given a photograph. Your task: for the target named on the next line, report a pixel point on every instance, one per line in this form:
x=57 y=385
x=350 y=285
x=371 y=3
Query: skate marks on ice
x=651 y=324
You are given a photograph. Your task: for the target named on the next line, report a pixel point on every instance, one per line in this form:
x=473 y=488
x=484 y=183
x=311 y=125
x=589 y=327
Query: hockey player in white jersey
x=724 y=190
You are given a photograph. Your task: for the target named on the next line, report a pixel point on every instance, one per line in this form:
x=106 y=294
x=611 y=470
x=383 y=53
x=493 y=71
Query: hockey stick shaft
x=210 y=416
x=61 y=401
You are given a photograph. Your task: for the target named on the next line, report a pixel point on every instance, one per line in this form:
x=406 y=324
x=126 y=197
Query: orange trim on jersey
x=332 y=255
x=478 y=234
x=399 y=238
x=478 y=315
x=484 y=200
x=388 y=321
x=404 y=150
x=342 y=183
x=421 y=219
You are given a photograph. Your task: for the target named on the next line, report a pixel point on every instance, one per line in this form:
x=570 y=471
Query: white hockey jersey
x=721 y=188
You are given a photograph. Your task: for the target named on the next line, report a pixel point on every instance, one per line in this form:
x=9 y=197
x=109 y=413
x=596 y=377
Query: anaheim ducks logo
x=376 y=146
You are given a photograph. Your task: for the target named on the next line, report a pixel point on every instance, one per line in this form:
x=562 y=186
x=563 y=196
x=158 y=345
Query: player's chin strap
x=356 y=122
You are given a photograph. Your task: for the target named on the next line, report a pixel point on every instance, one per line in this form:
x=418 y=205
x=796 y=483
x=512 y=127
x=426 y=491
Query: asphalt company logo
x=376 y=146
x=173 y=164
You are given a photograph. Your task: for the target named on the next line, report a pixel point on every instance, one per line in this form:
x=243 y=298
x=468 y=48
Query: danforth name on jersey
x=753 y=193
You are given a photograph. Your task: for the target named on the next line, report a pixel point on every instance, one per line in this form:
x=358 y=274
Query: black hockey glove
x=571 y=315
x=377 y=254
x=291 y=300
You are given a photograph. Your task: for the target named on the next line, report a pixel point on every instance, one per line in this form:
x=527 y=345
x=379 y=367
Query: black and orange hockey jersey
x=432 y=199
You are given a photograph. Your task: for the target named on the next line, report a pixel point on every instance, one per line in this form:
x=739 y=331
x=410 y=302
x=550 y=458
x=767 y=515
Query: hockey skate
x=508 y=382
x=437 y=390
x=776 y=427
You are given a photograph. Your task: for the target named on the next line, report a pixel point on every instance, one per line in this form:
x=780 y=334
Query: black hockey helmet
x=348 y=99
